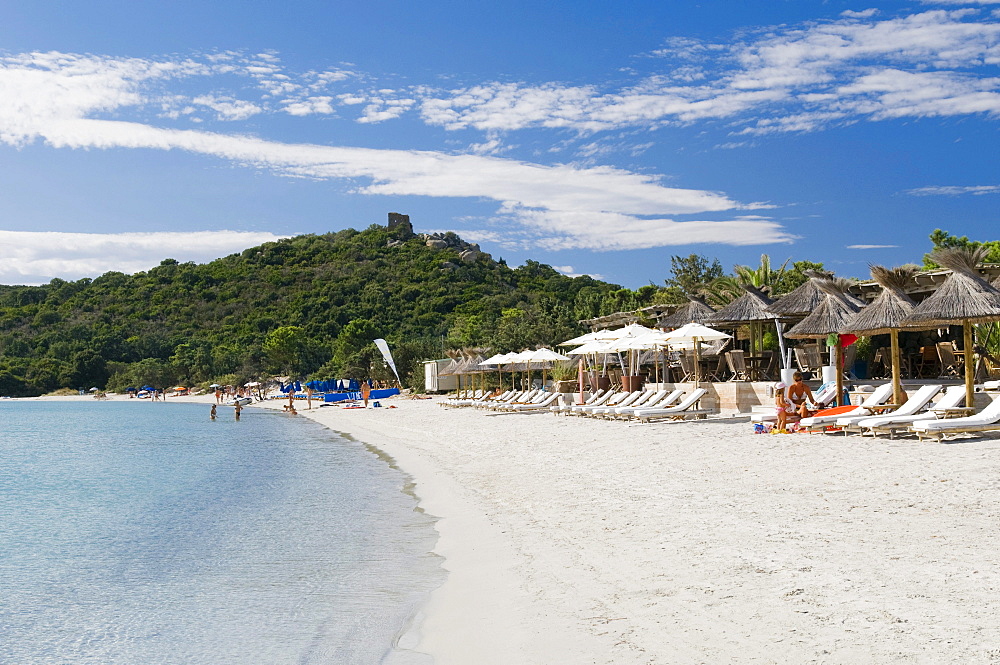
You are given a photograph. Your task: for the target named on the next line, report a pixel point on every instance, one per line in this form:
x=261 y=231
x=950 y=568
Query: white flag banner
x=384 y=348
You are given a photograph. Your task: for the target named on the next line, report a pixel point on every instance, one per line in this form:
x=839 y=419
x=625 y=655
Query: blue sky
x=599 y=137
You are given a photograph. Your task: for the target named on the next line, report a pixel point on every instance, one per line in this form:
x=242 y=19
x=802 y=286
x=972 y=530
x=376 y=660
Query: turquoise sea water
x=147 y=534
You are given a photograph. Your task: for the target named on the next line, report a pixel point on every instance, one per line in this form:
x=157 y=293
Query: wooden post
x=897 y=384
x=970 y=370
x=839 y=355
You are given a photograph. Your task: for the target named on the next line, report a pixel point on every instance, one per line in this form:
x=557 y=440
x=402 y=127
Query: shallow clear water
x=146 y=533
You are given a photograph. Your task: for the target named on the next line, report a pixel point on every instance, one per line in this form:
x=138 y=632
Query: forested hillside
x=306 y=306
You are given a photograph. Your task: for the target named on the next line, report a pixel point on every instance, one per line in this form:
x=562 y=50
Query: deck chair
x=563 y=408
x=737 y=365
x=543 y=405
x=644 y=398
x=665 y=401
x=630 y=398
x=606 y=398
x=917 y=402
x=950 y=364
x=953 y=397
x=679 y=412
x=687 y=367
x=526 y=397
x=879 y=396
x=987 y=420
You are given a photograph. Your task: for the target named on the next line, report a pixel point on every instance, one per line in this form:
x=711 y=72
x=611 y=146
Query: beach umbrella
x=545 y=356
x=93 y=390
x=179 y=388
x=964 y=297
x=886 y=315
x=693 y=311
x=695 y=333
x=254 y=384
x=828 y=319
x=589 y=337
x=751 y=309
x=497 y=359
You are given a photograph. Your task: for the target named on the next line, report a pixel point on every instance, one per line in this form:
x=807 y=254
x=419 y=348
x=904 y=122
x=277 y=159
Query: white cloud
x=55 y=97
x=791 y=79
x=28 y=257
x=866 y=13
x=227 y=108
x=871 y=246
x=954 y=190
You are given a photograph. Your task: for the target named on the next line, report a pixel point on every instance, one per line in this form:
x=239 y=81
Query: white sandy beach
x=579 y=541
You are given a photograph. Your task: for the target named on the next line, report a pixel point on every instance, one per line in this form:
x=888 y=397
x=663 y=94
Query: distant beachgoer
x=238 y=409
x=213 y=412
x=366 y=391
x=218 y=396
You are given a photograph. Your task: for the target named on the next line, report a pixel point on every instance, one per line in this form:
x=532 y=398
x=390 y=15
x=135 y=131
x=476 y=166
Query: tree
x=944 y=240
x=284 y=348
x=763 y=277
x=692 y=272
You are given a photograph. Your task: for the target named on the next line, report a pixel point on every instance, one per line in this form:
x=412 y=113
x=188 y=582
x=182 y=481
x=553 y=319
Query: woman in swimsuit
x=800 y=395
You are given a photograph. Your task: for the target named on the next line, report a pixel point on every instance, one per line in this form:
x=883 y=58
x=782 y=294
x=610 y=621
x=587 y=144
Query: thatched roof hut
x=829 y=316
x=751 y=306
x=963 y=297
x=887 y=312
x=694 y=311
x=806 y=298
x=833 y=312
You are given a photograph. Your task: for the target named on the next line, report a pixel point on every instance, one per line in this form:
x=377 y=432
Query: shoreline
x=579 y=541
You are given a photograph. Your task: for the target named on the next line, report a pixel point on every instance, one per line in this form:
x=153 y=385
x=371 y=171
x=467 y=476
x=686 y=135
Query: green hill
x=307 y=306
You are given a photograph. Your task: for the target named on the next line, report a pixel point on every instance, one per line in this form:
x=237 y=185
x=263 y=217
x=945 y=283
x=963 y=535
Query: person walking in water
x=239 y=408
x=213 y=412
x=366 y=392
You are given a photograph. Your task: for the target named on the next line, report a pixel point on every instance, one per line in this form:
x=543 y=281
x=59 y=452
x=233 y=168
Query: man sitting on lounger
x=800 y=396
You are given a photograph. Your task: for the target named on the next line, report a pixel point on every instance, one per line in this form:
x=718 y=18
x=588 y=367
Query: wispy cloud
x=69 y=101
x=28 y=257
x=954 y=190
x=872 y=246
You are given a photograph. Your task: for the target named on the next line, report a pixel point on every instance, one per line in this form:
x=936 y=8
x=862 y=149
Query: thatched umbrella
x=827 y=319
x=804 y=300
x=886 y=315
x=693 y=311
x=751 y=308
x=964 y=296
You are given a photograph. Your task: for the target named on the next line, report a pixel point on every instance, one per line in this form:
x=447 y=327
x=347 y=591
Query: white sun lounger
x=892 y=423
x=985 y=421
x=564 y=408
x=634 y=397
x=662 y=403
x=678 y=412
x=612 y=398
x=879 y=396
x=540 y=406
x=644 y=398
x=916 y=402
x=537 y=397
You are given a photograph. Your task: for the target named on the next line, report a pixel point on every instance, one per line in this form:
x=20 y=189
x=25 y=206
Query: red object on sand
x=835 y=410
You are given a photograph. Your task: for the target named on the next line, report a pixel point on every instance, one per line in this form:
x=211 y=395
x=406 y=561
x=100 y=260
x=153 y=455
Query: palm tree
x=763 y=277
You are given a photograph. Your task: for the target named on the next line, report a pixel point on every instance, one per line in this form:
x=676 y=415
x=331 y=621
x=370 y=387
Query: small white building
x=433 y=382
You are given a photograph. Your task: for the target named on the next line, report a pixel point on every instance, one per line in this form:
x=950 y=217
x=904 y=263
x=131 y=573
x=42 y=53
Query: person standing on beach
x=366 y=391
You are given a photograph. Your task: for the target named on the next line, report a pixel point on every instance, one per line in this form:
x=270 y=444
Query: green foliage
x=943 y=240
x=794 y=277
x=692 y=273
x=763 y=277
